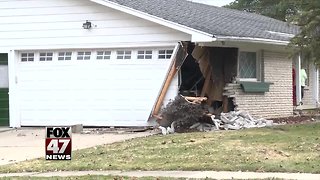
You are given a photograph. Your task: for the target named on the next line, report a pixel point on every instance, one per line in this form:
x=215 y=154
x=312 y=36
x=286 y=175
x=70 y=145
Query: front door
x=4 y=89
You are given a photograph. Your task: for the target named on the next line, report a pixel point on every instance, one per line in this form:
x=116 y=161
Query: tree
x=304 y=13
x=308 y=40
x=277 y=9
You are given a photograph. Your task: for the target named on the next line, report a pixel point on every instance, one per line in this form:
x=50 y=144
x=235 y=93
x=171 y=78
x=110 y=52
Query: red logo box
x=58 y=143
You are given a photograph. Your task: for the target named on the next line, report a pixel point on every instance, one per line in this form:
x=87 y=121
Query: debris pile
x=233 y=120
x=191 y=114
x=184 y=112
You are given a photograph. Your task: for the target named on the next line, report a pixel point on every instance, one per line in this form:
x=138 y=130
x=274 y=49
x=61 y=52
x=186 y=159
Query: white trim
x=297 y=74
x=197 y=36
x=249 y=39
x=315 y=85
x=111 y=46
x=14 y=119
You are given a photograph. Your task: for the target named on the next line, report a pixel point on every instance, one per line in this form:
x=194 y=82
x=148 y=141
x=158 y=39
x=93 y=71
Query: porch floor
x=306 y=107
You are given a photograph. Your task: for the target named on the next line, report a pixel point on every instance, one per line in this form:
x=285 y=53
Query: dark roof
x=217 y=21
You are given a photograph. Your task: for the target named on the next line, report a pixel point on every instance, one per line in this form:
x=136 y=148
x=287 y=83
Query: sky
x=214 y=2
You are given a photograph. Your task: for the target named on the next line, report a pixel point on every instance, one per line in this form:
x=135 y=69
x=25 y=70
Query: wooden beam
x=206 y=82
x=225 y=104
x=165 y=88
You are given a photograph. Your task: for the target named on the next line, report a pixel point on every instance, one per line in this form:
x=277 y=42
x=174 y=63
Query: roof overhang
x=196 y=35
x=251 y=40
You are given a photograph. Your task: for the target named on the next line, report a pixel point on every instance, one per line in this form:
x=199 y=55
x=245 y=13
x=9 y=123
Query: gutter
x=251 y=40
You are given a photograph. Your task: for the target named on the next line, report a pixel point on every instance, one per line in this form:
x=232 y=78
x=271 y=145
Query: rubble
x=233 y=120
x=186 y=114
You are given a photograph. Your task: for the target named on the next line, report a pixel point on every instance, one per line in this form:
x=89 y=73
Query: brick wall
x=278 y=101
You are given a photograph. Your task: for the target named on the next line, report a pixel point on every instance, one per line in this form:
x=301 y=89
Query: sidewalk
x=176 y=174
x=28 y=143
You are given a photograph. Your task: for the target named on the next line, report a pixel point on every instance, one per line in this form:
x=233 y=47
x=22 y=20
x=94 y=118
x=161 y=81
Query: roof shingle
x=217 y=21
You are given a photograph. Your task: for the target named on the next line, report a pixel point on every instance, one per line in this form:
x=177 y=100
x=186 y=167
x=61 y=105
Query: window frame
x=258 y=66
x=124 y=55
x=84 y=55
x=27 y=57
x=166 y=54
x=65 y=55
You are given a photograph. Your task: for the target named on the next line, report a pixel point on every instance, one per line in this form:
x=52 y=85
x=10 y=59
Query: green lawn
x=91 y=177
x=290 y=148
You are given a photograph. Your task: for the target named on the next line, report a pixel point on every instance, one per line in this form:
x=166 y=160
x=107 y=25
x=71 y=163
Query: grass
x=88 y=177
x=290 y=148
x=92 y=177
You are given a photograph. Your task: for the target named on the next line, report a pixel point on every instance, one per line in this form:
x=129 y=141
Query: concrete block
x=77 y=128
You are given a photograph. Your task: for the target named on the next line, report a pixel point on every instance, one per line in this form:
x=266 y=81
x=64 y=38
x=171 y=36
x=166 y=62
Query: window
x=103 y=55
x=165 y=54
x=123 y=54
x=248 y=65
x=27 y=57
x=145 y=54
x=46 y=56
x=84 y=55
x=64 y=56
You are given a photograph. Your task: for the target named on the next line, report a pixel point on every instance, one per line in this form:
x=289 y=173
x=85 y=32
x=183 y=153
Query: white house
x=58 y=71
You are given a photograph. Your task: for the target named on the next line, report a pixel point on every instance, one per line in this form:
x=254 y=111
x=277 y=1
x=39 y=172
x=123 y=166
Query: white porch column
x=13 y=95
x=298 y=84
x=315 y=84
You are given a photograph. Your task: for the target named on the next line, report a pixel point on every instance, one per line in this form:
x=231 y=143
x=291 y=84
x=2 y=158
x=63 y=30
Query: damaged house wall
x=278 y=101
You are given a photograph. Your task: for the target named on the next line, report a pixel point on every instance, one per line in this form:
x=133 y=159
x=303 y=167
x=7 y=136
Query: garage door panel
x=92 y=94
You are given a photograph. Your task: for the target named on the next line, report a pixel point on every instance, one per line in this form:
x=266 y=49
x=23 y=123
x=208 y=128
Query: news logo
x=58 y=143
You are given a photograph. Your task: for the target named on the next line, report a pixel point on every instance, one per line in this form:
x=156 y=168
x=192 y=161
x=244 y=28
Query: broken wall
x=278 y=101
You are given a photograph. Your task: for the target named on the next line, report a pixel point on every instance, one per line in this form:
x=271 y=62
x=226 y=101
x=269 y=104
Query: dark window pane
x=162 y=51
x=140 y=57
x=68 y=58
x=50 y=54
x=60 y=58
x=162 y=56
x=99 y=57
x=42 y=54
x=148 y=57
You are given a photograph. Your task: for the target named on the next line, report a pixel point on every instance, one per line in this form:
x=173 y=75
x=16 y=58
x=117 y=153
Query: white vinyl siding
x=37 y=24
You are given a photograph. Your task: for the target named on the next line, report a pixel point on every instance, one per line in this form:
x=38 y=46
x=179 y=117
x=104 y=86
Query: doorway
x=4 y=90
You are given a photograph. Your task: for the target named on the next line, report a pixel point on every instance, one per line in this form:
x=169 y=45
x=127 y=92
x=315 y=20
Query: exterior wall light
x=87 y=25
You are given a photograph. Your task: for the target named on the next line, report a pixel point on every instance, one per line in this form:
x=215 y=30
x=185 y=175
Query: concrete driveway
x=29 y=143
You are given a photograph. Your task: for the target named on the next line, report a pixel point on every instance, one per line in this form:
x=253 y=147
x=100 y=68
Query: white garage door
x=90 y=87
